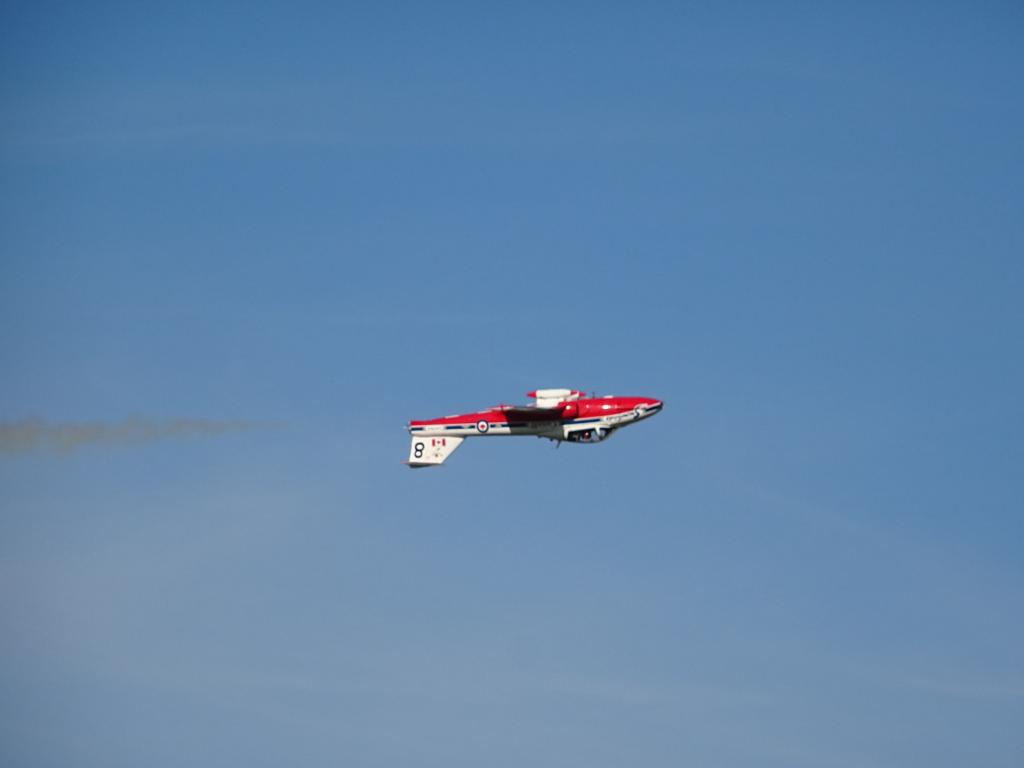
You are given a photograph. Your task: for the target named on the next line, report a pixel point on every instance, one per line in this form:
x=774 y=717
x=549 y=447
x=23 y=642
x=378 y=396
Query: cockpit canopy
x=588 y=434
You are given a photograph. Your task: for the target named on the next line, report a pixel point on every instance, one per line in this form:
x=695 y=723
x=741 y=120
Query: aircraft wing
x=529 y=412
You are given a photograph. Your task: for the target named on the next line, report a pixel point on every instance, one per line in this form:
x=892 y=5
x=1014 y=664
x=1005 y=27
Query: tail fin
x=431 y=451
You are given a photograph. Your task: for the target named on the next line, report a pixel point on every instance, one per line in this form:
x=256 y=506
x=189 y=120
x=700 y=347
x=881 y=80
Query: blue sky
x=800 y=225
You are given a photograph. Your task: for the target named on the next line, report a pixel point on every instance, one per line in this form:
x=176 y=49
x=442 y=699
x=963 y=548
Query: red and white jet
x=557 y=414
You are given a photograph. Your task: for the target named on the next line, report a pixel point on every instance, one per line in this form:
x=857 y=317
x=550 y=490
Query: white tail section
x=431 y=451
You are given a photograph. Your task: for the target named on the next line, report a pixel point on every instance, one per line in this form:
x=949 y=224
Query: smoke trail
x=22 y=437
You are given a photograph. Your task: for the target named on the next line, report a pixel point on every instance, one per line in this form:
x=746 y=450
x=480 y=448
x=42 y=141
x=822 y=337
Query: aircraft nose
x=647 y=406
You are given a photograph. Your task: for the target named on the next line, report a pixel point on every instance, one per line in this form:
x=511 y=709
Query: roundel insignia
x=482 y=426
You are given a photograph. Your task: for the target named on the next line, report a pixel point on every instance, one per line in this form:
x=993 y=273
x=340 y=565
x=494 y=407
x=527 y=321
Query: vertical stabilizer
x=431 y=451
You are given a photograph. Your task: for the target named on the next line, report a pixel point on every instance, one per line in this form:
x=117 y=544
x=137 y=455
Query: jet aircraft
x=561 y=415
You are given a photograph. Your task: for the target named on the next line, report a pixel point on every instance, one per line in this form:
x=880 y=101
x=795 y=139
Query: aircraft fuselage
x=572 y=420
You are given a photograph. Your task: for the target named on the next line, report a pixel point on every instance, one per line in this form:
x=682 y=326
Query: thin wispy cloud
x=37 y=436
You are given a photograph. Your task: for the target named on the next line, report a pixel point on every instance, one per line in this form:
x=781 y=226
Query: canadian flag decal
x=436 y=441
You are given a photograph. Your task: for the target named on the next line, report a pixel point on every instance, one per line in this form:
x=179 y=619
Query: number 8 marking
x=417 y=451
